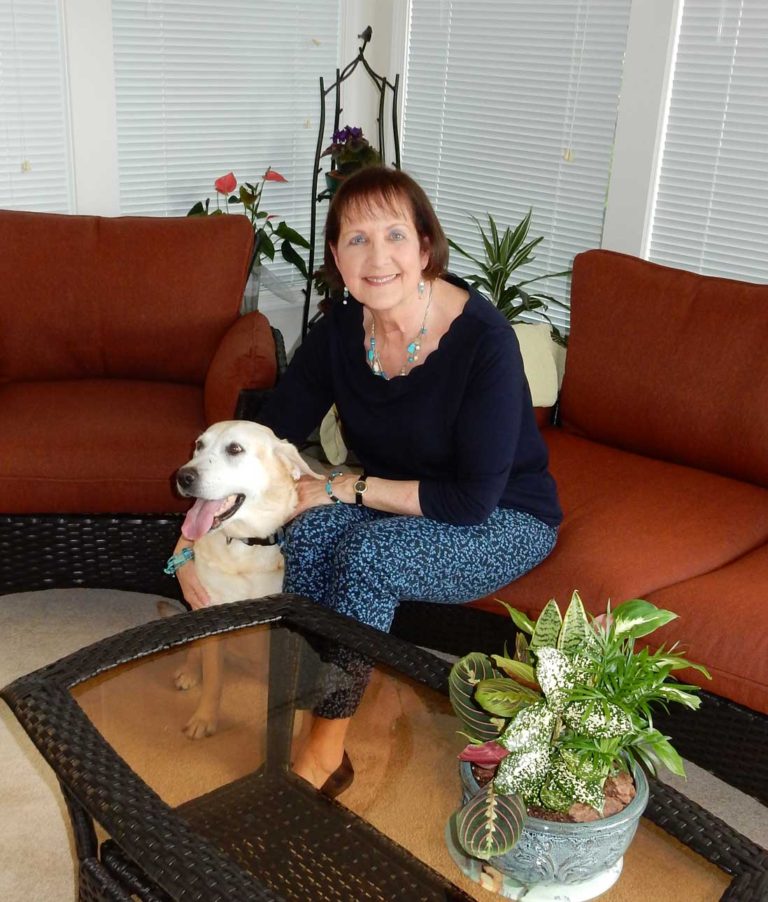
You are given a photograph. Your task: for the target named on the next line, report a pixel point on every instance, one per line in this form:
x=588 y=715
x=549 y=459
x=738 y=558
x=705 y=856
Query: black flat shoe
x=340 y=779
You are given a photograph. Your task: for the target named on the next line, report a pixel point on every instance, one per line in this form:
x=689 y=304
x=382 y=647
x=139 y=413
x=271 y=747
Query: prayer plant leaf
x=465 y=675
x=504 y=697
x=517 y=670
x=548 y=627
x=489 y=824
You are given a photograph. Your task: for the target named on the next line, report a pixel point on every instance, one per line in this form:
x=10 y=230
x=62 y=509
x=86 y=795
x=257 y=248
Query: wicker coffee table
x=157 y=816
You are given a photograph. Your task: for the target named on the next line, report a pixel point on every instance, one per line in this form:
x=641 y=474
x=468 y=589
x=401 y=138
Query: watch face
x=360 y=486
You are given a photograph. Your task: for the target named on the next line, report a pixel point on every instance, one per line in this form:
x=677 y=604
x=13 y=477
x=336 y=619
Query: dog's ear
x=294 y=462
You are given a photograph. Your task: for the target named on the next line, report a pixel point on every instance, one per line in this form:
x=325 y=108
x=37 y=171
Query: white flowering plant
x=570 y=709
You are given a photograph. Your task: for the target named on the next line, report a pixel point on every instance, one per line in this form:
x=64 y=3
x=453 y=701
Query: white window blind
x=205 y=87
x=711 y=207
x=35 y=171
x=512 y=105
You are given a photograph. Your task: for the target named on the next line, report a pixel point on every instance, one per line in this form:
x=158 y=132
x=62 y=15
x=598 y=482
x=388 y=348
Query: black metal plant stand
x=382 y=86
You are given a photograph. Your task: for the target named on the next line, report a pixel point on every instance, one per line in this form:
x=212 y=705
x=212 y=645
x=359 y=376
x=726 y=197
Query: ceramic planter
x=567 y=862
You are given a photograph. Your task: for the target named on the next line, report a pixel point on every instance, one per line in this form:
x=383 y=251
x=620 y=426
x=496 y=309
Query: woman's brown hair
x=382 y=186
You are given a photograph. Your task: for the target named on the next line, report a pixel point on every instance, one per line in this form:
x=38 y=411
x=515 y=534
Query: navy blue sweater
x=461 y=423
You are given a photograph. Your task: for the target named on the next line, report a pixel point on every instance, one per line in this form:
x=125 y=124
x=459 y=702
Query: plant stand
x=382 y=86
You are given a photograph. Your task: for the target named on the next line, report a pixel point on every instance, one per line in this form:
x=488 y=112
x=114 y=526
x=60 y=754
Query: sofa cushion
x=130 y=297
x=668 y=364
x=634 y=525
x=723 y=624
x=95 y=446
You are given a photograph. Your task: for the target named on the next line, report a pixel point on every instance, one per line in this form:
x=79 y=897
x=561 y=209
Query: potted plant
x=563 y=726
x=504 y=254
x=349 y=151
x=249 y=196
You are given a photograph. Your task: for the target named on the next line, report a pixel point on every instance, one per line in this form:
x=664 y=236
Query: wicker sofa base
x=99 y=551
x=723 y=737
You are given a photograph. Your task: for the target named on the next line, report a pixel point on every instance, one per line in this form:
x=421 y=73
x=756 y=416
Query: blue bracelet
x=329 y=489
x=178 y=560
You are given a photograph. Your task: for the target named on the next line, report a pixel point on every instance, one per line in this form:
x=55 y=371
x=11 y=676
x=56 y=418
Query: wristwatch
x=360 y=487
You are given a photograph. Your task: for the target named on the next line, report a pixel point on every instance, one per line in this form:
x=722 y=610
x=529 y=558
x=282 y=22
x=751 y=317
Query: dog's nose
x=185 y=477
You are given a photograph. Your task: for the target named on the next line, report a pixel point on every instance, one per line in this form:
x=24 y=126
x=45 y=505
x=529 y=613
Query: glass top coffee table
x=159 y=816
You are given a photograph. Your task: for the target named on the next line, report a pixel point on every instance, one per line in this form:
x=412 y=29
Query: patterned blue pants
x=361 y=562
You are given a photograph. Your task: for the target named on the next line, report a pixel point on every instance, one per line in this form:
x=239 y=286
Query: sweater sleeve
x=486 y=436
x=304 y=393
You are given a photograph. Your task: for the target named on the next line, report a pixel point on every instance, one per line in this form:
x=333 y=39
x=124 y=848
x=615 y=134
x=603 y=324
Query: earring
x=422 y=287
x=345 y=297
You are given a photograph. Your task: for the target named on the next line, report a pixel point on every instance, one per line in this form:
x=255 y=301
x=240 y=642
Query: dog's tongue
x=199 y=518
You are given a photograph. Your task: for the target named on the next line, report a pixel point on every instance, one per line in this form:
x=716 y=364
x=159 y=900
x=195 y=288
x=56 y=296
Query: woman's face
x=380 y=256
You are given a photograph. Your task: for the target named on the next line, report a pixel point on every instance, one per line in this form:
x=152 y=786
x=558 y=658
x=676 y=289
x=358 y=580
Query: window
x=711 y=207
x=511 y=106
x=208 y=87
x=34 y=144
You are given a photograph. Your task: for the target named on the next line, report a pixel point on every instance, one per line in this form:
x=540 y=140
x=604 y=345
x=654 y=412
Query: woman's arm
x=191 y=587
x=391 y=495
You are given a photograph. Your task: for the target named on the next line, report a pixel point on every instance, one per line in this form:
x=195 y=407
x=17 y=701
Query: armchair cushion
x=95 y=445
x=122 y=298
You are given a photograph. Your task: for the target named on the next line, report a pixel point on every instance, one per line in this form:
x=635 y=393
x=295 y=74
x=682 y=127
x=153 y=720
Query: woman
x=455 y=500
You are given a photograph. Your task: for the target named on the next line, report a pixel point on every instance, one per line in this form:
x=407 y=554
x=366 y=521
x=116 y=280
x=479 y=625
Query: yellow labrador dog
x=243 y=479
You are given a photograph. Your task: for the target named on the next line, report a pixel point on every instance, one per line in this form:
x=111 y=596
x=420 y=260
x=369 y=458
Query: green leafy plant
x=504 y=254
x=249 y=196
x=571 y=707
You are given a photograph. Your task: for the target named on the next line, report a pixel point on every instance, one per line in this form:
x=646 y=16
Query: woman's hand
x=312 y=491
x=191 y=588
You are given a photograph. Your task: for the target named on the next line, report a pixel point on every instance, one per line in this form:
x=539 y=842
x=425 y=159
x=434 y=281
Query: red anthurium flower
x=486 y=755
x=272 y=176
x=226 y=184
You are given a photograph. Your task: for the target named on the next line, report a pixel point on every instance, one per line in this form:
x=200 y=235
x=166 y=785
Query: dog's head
x=243 y=479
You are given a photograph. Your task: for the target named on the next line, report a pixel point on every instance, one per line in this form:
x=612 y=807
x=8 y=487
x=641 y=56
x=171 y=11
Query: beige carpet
x=403 y=744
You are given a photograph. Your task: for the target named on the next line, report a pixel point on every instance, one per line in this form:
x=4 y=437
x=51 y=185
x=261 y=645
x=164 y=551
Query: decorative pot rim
x=534 y=824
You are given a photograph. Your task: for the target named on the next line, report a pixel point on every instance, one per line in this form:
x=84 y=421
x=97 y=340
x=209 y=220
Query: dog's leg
x=206 y=718
x=188 y=675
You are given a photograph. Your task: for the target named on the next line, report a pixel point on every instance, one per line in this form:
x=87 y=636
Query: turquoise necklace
x=412 y=349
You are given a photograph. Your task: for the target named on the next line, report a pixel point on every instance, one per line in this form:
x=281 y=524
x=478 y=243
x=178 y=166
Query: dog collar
x=275 y=539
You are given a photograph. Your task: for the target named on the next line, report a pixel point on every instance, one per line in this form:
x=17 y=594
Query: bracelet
x=178 y=560
x=328 y=487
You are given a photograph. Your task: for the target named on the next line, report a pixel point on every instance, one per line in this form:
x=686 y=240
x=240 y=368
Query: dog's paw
x=200 y=725
x=185 y=678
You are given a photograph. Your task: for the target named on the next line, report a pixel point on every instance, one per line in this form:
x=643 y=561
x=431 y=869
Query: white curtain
x=205 y=87
x=511 y=105
x=35 y=165
x=711 y=207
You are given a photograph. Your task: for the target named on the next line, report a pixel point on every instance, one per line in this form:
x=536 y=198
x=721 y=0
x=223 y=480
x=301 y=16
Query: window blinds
x=35 y=171
x=711 y=207
x=205 y=87
x=511 y=105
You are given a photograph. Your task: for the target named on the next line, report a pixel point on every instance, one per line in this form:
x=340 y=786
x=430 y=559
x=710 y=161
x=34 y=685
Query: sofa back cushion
x=668 y=364
x=127 y=297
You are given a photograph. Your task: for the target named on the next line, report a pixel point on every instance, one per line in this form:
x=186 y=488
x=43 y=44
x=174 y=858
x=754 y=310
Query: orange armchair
x=120 y=340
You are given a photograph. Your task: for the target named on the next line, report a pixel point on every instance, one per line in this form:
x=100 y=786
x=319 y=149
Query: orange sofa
x=660 y=452
x=120 y=339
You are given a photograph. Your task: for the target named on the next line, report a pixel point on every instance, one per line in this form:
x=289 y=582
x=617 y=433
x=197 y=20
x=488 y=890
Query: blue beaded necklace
x=412 y=349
